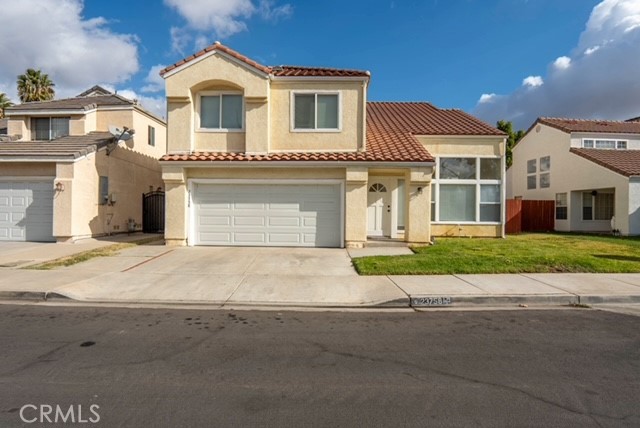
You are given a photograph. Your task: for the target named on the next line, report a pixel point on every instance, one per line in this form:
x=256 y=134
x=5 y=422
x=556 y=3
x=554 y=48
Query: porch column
x=418 y=197
x=355 y=216
x=176 y=206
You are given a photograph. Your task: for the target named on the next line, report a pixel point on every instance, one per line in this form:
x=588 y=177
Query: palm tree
x=4 y=103
x=35 y=86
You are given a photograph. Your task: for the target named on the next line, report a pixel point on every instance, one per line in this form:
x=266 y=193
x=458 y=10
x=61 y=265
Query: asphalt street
x=196 y=368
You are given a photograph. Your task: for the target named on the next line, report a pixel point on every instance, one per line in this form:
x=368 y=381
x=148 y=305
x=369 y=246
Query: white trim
x=39 y=159
x=214 y=51
x=292 y=111
x=53 y=113
x=191 y=241
x=615 y=142
x=27 y=178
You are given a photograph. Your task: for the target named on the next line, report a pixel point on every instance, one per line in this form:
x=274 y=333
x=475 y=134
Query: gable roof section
x=277 y=71
x=634 y=119
x=77 y=103
x=624 y=162
x=95 y=90
x=64 y=148
x=590 y=125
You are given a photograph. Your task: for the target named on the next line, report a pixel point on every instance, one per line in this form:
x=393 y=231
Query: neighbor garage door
x=26 y=211
x=296 y=215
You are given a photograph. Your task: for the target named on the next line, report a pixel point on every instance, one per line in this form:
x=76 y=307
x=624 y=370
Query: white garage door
x=295 y=215
x=26 y=211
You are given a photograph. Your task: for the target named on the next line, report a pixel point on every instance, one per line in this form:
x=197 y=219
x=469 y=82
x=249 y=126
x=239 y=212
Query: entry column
x=418 y=197
x=176 y=206
x=355 y=219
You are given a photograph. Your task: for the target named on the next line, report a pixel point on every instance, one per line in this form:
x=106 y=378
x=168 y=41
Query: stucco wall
x=568 y=173
x=349 y=138
x=463 y=146
x=634 y=206
x=28 y=169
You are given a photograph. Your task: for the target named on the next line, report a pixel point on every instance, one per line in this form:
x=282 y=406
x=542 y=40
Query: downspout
x=503 y=189
x=364 y=112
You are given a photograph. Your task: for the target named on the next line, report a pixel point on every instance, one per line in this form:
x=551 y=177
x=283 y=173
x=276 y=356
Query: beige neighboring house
x=590 y=168
x=64 y=176
x=296 y=156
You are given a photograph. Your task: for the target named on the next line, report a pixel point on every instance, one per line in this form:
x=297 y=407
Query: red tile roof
x=281 y=71
x=421 y=118
x=591 y=125
x=625 y=162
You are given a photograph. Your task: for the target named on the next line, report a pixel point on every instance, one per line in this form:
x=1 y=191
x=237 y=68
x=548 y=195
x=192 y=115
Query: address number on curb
x=431 y=301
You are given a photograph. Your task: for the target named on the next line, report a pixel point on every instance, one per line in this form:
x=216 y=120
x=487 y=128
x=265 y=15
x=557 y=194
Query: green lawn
x=527 y=253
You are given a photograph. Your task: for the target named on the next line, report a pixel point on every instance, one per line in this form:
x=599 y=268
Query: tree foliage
x=34 y=85
x=512 y=140
x=4 y=103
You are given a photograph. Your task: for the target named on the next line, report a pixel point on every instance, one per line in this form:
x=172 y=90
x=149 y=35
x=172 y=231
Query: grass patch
x=110 y=250
x=526 y=253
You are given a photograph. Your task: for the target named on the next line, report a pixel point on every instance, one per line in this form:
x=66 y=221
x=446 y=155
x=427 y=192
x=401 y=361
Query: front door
x=379 y=208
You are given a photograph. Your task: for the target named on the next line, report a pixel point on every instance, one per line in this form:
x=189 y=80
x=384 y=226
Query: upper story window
x=316 y=111
x=151 y=135
x=49 y=128
x=220 y=111
x=588 y=143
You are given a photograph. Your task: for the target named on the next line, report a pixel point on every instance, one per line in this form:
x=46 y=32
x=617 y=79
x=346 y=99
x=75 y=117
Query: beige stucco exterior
x=132 y=169
x=573 y=175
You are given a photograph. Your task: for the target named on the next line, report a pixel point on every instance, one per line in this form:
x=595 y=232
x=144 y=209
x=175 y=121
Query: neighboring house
x=3 y=126
x=66 y=177
x=591 y=168
x=296 y=156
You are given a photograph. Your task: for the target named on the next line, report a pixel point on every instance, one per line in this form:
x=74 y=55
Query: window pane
x=545 y=163
x=545 y=180
x=433 y=202
x=490 y=212
x=587 y=206
x=603 y=206
x=457 y=202
x=304 y=106
x=210 y=112
x=561 y=199
x=605 y=144
x=103 y=191
x=40 y=128
x=59 y=127
x=458 y=168
x=490 y=169
x=327 y=111
x=490 y=193
x=531 y=166
x=232 y=111
x=622 y=145
x=152 y=136
x=401 y=201
x=531 y=182
x=561 y=213
x=587 y=144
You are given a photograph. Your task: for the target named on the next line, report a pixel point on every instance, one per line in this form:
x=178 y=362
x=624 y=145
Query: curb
x=498 y=300
x=612 y=298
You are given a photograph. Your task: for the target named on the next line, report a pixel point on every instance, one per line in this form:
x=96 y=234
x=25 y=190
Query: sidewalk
x=155 y=274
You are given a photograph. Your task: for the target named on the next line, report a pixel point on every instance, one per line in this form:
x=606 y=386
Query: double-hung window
x=467 y=190
x=49 y=128
x=589 y=143
x=316 y=111
x=220 y=111
x=561 y=206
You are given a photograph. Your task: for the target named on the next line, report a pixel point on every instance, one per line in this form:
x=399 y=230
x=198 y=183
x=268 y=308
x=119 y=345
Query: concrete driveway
x=229 y=276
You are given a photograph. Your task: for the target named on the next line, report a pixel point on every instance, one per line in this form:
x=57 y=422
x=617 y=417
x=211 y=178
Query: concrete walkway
x=232 y=277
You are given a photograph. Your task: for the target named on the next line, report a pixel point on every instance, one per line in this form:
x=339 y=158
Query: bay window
x=467 y=189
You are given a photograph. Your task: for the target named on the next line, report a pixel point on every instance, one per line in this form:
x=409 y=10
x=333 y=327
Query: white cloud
x=600 y=82
x=486 y=98
x=53 y=35
x=155 y=105
x=562 y=63
x=532 y=81
x=223 y=17
x=155 y=83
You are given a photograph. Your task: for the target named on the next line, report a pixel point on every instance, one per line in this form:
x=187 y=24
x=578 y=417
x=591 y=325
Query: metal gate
x=153 y=212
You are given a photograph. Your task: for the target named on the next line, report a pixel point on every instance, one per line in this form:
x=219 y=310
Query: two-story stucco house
x=591 y=168
x=296 y=156
x=63 y=175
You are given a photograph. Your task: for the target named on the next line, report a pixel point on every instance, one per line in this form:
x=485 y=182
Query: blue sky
x=448 y=52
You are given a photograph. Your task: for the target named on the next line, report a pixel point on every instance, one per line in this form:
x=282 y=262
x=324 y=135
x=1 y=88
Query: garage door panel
x=263 y=214
x=26 y=210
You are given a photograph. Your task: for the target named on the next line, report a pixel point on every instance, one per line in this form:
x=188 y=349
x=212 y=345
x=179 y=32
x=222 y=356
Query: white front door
x=379 y=207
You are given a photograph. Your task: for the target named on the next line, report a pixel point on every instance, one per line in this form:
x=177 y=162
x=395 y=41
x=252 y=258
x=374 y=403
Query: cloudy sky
x=498 y=59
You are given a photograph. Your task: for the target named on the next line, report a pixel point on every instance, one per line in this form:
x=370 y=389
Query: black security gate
x=153 y=212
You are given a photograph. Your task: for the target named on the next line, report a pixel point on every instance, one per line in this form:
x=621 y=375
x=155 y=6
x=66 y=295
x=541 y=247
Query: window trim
x=478 y=182
x=565 y=205
x=198 y=128
x=616 y=143
x=292 y=110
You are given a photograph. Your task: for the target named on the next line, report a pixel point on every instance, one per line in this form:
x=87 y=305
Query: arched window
x=377 y=188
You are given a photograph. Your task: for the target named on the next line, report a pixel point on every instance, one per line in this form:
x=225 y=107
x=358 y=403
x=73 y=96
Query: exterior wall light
x=419 y=190
x=59 y=187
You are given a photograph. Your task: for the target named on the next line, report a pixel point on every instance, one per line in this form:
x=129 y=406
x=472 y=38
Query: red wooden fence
x=530 y=216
